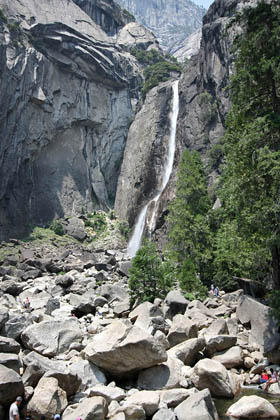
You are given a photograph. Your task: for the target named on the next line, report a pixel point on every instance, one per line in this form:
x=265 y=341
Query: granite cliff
x=172 y=21
x=68 y=96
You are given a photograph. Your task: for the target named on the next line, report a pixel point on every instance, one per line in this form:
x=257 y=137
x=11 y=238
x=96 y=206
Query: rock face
x=170 y=20
x=252 y=407
x=197 y=406
x=120 y=349
x=145 y=153
x=65 y=109
x=264 y=331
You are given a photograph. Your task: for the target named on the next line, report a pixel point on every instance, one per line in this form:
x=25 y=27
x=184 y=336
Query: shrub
x=57 y=227
x=124 y=228
x=97 y=221
x=3 y=16
x=157 y=73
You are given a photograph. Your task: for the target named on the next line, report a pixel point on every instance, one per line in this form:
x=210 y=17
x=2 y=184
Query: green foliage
x=124 y=228
x=208 y=107
x=158 y=67
x=247 y=232
x=189 y=239
x=97 y=221
x=149 y=277
x=57 y=227
x=216 y=156
x=129 y=15
x=3 y=16
x=274 y=299
x=157 y=73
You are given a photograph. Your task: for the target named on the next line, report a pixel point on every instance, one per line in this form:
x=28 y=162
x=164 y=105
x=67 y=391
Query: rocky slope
x=79 y=348
x=172 y=21
x=68 y=95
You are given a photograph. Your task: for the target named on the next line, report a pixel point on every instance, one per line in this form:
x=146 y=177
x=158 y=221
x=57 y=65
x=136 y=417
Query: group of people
x=14 y=412
x=269 y=377
x=214 y=290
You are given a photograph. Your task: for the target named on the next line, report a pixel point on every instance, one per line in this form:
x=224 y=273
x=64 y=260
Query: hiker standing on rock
x=14 y=409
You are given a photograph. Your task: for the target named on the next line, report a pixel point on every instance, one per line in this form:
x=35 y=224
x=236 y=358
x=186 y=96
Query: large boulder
x=252 y=407
x=110 y=393
x=219 y=343
x=89 y=374
x=48 y=399
x=188 y=350
x=50 y=338
x=15 y=325
x=164 y=414
x=218 y=327
x=174 y=303
x=10 y=360
x=264 y=329
x=163 y=376
x=93 y=408
x=9 y=345
x=174 y=397
x=197 y=406
x=148 y=400
x=213 y=375
x=120 y=349
x=182 y=328
x=144 y=313
x=10 y=385
x=231 y=358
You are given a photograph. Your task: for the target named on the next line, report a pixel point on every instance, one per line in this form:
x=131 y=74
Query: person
x=14 y=409
x=56 y=417
x=264 y=377
x=26 y=304
x=217 y=292
x=212 y=288
x=272 y=380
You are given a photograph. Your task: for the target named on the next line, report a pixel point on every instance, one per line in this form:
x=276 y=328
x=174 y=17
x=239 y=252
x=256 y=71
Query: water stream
x=136 y=238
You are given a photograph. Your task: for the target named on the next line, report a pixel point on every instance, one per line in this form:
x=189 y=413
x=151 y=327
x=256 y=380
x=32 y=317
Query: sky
x=204 y=3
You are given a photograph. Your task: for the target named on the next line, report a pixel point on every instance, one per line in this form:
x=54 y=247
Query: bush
x=57 y=227
x=124 y=228
x=147 y=279
x=3 y=16
x=216 y=156
x=97 y=221
x=157 y=73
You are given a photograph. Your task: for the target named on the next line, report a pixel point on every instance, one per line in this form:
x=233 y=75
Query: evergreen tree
x=149 y=276
x=251 y=190
x=189 y=234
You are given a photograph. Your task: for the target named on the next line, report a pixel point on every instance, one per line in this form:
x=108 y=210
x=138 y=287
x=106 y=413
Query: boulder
x=110 y=393
x=198 y=406
x=50 y=338
x=213 y=375
x=115 y=292
x=164 y=414
x=92 y=408
x=219 y=343
x=218 y=327
x=274 y=388
x=10 y=360
x=164 y=376
x=252 y=407
x=89 y=374
x=76 y=228
x=37 y=365
x=231 y=358
x=174 y=303
x=187 y=351
x=144 y=314
x=4 y=316
x=174 y=397
x=148 y=400
x=232 y=326
x=48 y=399
x=182 y=328
x=264 y=329
x=131 y=412
x=120 y=349
x=9 y=345
x=10 y=385
x=15 y=325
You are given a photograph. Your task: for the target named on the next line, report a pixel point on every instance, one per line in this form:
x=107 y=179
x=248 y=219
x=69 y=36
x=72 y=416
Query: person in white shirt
x=14 y=409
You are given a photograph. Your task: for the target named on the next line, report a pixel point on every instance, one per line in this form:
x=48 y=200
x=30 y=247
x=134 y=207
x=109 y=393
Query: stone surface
x=198 y=406
x=164 y=414
x=148 y=400
x=219 y=343
x=263 y=328
x=48 y=399
x=231 y=358
x=214 y=376
x=9 y=345
x=10 y=385
x=51 y=337
x=252 y=407
x=182 y=329
x=187 y=351
x=163 y=376
x=120 y=349
x=93 y=408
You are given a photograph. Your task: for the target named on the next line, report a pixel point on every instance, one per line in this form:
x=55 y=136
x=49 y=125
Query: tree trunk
x=276 y=266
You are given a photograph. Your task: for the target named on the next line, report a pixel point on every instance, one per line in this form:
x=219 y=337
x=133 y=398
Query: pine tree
x=149 y=276
x=189 y=234
x=251 y=191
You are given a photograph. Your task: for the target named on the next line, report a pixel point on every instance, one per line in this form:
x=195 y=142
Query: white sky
x=204 y=3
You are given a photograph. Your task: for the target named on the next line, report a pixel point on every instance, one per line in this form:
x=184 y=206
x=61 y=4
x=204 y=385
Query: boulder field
x=79 y=350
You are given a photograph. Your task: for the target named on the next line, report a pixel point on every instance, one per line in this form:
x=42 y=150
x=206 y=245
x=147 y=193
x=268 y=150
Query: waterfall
x=136 y=238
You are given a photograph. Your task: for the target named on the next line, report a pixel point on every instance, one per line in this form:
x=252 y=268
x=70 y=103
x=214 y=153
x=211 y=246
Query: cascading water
x=136 y=238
